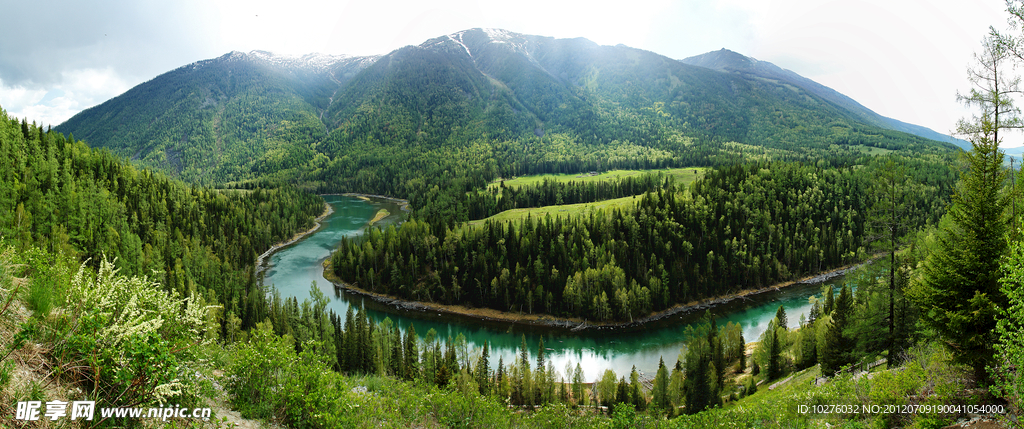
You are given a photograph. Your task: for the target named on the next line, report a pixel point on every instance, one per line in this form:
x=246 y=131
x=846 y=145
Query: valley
x=531 y=232
x=292 y=270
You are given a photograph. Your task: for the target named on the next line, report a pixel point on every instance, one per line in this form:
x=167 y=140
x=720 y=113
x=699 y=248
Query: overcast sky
x=902 y=59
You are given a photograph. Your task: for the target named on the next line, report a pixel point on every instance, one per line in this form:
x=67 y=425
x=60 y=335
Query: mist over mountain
x=502 y=102
x=732 y=62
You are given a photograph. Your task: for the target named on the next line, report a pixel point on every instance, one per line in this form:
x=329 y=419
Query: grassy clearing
x=561 y=210
x=870 y=150
x=235 y=191
x=683 y=176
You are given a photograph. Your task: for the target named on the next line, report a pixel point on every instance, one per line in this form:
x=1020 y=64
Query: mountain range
x=732 y=62
x=475 y=103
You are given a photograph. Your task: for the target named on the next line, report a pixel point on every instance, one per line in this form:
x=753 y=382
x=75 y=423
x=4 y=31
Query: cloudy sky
x=904 y=59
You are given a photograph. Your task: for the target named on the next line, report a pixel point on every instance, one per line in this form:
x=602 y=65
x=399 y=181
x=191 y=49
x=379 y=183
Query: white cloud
x=15 y=99
x=77 y=90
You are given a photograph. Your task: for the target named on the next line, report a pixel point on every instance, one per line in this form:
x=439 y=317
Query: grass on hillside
x=537 y=213
x=916 y=394
x=683 y=176
x=871 y=150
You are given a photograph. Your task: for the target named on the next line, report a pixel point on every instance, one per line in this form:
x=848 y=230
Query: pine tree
x=888 y=217
x=774 y=353
x=397 y=357
x=450 y=358
x=780 y=317
x=660 y=391
x=539 y=377
x=837 y=347
x=411 y=366
x=351 y=340
x=717 y=352
x=830 y=300
x=808 y=345
x=443 y=374
x=500 y=381
x=577 y=384
x=622 y=392
x=635 y=393
x=743 y=353
x=483 y=371
x=521 y=388
x=701 y=384
x=958 y=292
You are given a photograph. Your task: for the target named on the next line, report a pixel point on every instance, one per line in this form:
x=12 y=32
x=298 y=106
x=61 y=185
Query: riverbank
x=575 y=324
x=328 y=210
x=402 y=204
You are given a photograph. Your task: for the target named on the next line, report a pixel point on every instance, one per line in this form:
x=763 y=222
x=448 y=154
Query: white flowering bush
x=126 y=339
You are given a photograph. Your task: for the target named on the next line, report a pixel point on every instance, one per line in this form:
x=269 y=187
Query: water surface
x=293 y=269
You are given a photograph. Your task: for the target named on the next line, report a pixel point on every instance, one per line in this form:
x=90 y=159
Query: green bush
x=126 y=339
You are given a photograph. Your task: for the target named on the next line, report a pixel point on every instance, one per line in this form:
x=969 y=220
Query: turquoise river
x=293 y=269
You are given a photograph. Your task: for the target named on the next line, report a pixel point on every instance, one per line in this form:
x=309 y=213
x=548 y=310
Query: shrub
x=127 y=339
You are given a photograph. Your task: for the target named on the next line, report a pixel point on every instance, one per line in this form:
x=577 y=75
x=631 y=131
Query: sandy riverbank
x=298 y=236
x=328 y=210
x=403 y=204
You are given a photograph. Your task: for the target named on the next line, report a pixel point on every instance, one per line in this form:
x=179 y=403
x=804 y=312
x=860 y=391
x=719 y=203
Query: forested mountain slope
x=458 y=110
x=729 y=61
x=219 y=119
x=80 y=203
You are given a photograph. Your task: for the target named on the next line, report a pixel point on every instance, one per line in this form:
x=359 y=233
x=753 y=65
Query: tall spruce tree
x=622 y=392
x=500 y=381
x=774 y=353
x=539 y=377
x=780 y=317
x=838 y=346
x=521 y=389
x=483 y=370
x=659 y=395
x=889 y=220
x=577 y=384
x=701 y=384
x=411 y=367
x=958 y=292
x=635 y=393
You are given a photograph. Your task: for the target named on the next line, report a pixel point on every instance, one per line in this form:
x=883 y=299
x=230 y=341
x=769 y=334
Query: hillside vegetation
x=741 y=227
x=123 y=285
x=431 y=122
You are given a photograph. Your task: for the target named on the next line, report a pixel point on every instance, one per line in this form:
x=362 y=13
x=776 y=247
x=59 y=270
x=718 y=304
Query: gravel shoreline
x=573 y=325
x=543 y=320
x=328 y=210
